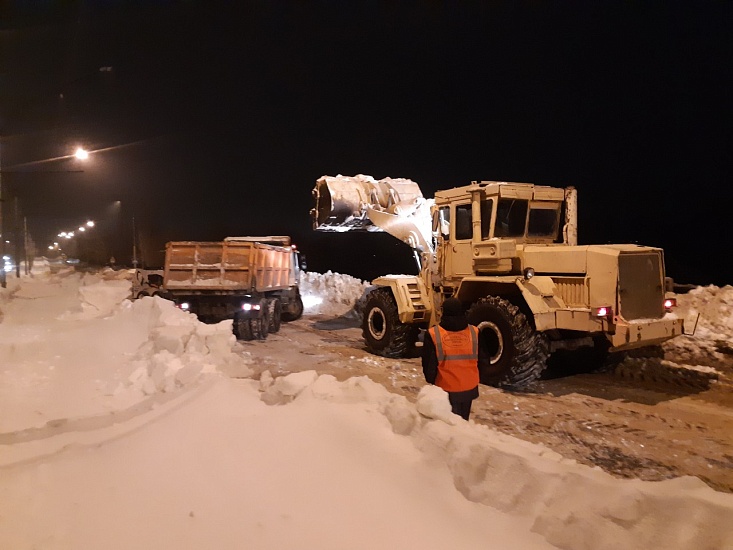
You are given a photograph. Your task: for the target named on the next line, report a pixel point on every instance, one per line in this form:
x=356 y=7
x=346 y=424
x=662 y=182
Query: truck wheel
x=382 y=329
x=261 y=323
x=297 y=311
x=243 y=329
x=518 y=353
x=274 y=309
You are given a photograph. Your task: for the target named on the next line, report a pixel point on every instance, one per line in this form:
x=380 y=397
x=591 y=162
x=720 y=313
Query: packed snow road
x=653 y=419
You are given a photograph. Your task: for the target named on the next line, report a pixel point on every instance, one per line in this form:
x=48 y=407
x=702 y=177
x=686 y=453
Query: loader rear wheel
x=382 y=329
x=518 y=353
x=274 y=310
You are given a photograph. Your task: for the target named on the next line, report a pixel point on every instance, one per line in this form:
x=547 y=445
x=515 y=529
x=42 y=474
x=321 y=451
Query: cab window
x=543 y=222
x=511 y=218
x=441 y=222
x=464 y=221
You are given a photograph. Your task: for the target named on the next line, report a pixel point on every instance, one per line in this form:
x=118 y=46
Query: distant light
x=62 y=234
x=669 y=303
x=81 y=154
x=90 y=223
x=50 y=247
x=82 y=228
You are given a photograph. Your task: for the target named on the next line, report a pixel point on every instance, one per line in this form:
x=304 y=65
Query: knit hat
x=452 y=307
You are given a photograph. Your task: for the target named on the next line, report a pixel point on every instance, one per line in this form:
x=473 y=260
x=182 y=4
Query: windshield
x=533 y=220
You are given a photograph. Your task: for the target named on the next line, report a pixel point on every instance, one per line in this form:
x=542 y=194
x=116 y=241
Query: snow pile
x=330 y=293
x=572 y=506
x=79 y=339
x=180 y=348
x=99 y=296
x=709 y=311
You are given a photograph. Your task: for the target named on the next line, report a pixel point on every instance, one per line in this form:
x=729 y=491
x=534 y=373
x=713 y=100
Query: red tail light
x=669 y=303
x=603 y=311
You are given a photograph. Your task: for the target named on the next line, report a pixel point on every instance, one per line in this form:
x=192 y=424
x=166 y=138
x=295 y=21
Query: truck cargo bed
x=229 y=265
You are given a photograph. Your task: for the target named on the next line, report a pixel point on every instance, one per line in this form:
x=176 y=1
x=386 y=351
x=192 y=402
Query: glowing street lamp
x=81 y=154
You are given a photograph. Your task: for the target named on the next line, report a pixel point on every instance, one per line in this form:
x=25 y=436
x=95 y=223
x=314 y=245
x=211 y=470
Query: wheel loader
x=509 y=252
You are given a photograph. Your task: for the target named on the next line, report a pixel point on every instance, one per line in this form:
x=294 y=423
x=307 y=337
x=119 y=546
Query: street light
x=80 y=154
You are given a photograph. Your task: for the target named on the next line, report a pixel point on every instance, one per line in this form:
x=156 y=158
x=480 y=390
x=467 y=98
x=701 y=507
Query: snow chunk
x=433 y=402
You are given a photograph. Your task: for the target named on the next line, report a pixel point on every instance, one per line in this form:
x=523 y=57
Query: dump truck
x=509 y=252
x=252 y=280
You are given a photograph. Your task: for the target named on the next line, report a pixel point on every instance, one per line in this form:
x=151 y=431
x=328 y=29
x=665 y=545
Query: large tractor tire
x=382 y=329
x=518 y=353
x=274 y=311
x=295 y=313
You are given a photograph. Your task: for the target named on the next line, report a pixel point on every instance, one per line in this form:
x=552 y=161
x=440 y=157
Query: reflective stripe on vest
x=457 y=353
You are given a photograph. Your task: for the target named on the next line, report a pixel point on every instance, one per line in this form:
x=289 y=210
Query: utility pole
x=25 y=246
x=134 y=244
x=3 y=282
x=16 y=246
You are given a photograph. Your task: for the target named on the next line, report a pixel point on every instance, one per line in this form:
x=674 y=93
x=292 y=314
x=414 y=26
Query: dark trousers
x=461 y=407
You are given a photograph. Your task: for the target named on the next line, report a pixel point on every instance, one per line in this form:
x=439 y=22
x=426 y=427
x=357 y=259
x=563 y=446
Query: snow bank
x=180 y=348
x=79 y=339
x=330 y=293
x=709 y=311
x=573 y=506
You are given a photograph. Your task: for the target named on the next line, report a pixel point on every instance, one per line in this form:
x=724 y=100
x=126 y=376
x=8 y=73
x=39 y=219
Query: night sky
x=215 y=119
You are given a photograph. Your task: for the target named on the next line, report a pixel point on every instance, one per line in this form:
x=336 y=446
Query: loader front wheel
x=382 y=329
x=517 y=354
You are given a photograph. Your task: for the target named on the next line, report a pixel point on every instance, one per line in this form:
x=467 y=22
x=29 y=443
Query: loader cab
x=477 y=228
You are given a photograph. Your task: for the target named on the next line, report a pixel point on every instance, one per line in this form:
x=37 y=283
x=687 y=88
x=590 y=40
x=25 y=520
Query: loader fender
x=541 y=296
x=536 y=297
x=411 y=296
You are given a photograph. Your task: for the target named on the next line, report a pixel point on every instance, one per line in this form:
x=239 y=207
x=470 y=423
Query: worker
x=450 y=357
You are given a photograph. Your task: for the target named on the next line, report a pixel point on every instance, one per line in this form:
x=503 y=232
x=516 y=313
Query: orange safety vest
x=457 y=354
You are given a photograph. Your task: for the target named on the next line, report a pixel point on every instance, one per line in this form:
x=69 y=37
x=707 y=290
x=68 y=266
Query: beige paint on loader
x=508 y=251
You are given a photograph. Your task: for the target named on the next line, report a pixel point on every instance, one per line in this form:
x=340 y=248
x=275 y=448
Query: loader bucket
x=342 y=201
